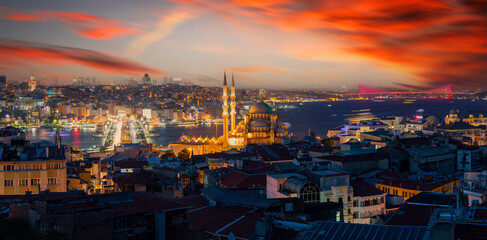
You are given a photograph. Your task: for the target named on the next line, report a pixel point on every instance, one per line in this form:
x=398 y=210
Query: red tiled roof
x=239 y=179
x=245 y=227
x=233 y=178
x=195 y=202
x=362 y=189
x=52 y=196
x=145 y=202
x=412 y=215
x=358 y=158
x=212 y=219
x=77 y=207
x=258 y=167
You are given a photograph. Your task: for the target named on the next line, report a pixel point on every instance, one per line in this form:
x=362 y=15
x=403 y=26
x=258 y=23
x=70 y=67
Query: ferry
x=99 y=135
x=187 y=123
x=94 y=148
x=153 y=135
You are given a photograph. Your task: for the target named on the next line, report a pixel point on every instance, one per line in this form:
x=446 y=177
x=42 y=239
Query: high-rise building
x=32 y=83
x=3 y=80
x=177 y=80
x=81 y=81
x=146 y=79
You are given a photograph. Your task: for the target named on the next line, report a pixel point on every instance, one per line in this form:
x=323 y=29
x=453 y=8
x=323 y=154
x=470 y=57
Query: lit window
x=23 y=182
x=8 y=182
x=35 y=181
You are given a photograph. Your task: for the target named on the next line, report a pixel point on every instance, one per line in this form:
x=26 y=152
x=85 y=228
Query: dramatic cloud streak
x=165 y=26
x=16 y=53
x=83 y=24
x=20 y=17
x=438 y=41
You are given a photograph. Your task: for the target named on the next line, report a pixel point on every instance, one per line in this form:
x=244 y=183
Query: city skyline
x=281 y=43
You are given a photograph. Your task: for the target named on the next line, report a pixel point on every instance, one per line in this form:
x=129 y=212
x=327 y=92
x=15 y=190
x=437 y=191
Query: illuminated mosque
x=259 y=126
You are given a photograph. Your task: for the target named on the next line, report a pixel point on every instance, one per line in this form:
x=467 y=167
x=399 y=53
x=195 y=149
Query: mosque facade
x=259 y=126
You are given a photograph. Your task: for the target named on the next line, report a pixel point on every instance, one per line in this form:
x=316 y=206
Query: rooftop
x=322 y=230
x=363 y=189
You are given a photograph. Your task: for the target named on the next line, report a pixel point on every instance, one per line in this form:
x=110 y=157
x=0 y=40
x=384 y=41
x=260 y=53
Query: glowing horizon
x=277 y=43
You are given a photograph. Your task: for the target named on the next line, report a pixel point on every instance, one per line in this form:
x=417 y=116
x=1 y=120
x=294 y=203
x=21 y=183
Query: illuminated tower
x=32 y=83
x=146 y=79
x=233 y=104
x=225 y=111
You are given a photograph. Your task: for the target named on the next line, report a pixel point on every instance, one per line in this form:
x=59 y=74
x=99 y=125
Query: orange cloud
x=83 y=24
x=439 y=41
x=15 y=53
x=20 y=17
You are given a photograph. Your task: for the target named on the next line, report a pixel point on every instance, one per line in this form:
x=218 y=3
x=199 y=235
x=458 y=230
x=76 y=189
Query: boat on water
x=99 y=135
x=301 y=104
x=379 y=100
x=94 y=148
x=153 y=135
x=329 y=105
x=187 y=123
x=333 y=115
x=407 y=102
x=287 y=124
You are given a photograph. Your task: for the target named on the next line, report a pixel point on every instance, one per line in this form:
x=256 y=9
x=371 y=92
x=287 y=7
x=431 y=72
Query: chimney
x=263 y=227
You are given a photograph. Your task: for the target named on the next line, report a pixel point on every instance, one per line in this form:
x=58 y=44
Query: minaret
x=225 y=111
x=233 y=104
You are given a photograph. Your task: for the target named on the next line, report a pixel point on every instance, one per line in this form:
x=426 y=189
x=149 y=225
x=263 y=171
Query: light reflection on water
x=318 y=117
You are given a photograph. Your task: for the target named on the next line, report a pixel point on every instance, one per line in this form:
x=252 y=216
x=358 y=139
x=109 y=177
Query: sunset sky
x=272 y=43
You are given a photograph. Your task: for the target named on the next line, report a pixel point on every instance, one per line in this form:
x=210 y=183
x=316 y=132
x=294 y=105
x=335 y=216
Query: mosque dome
x=260 y=123
x=260 y=108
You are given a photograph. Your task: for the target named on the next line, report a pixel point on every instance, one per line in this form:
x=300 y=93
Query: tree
x=184 y=155
x=167 y=155
x=328 y=142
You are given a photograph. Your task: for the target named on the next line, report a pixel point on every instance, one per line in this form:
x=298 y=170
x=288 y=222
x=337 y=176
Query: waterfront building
x=3 y=81
x=465 y=132
x=259 y=126
x=32 y=168
x=475 y=118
